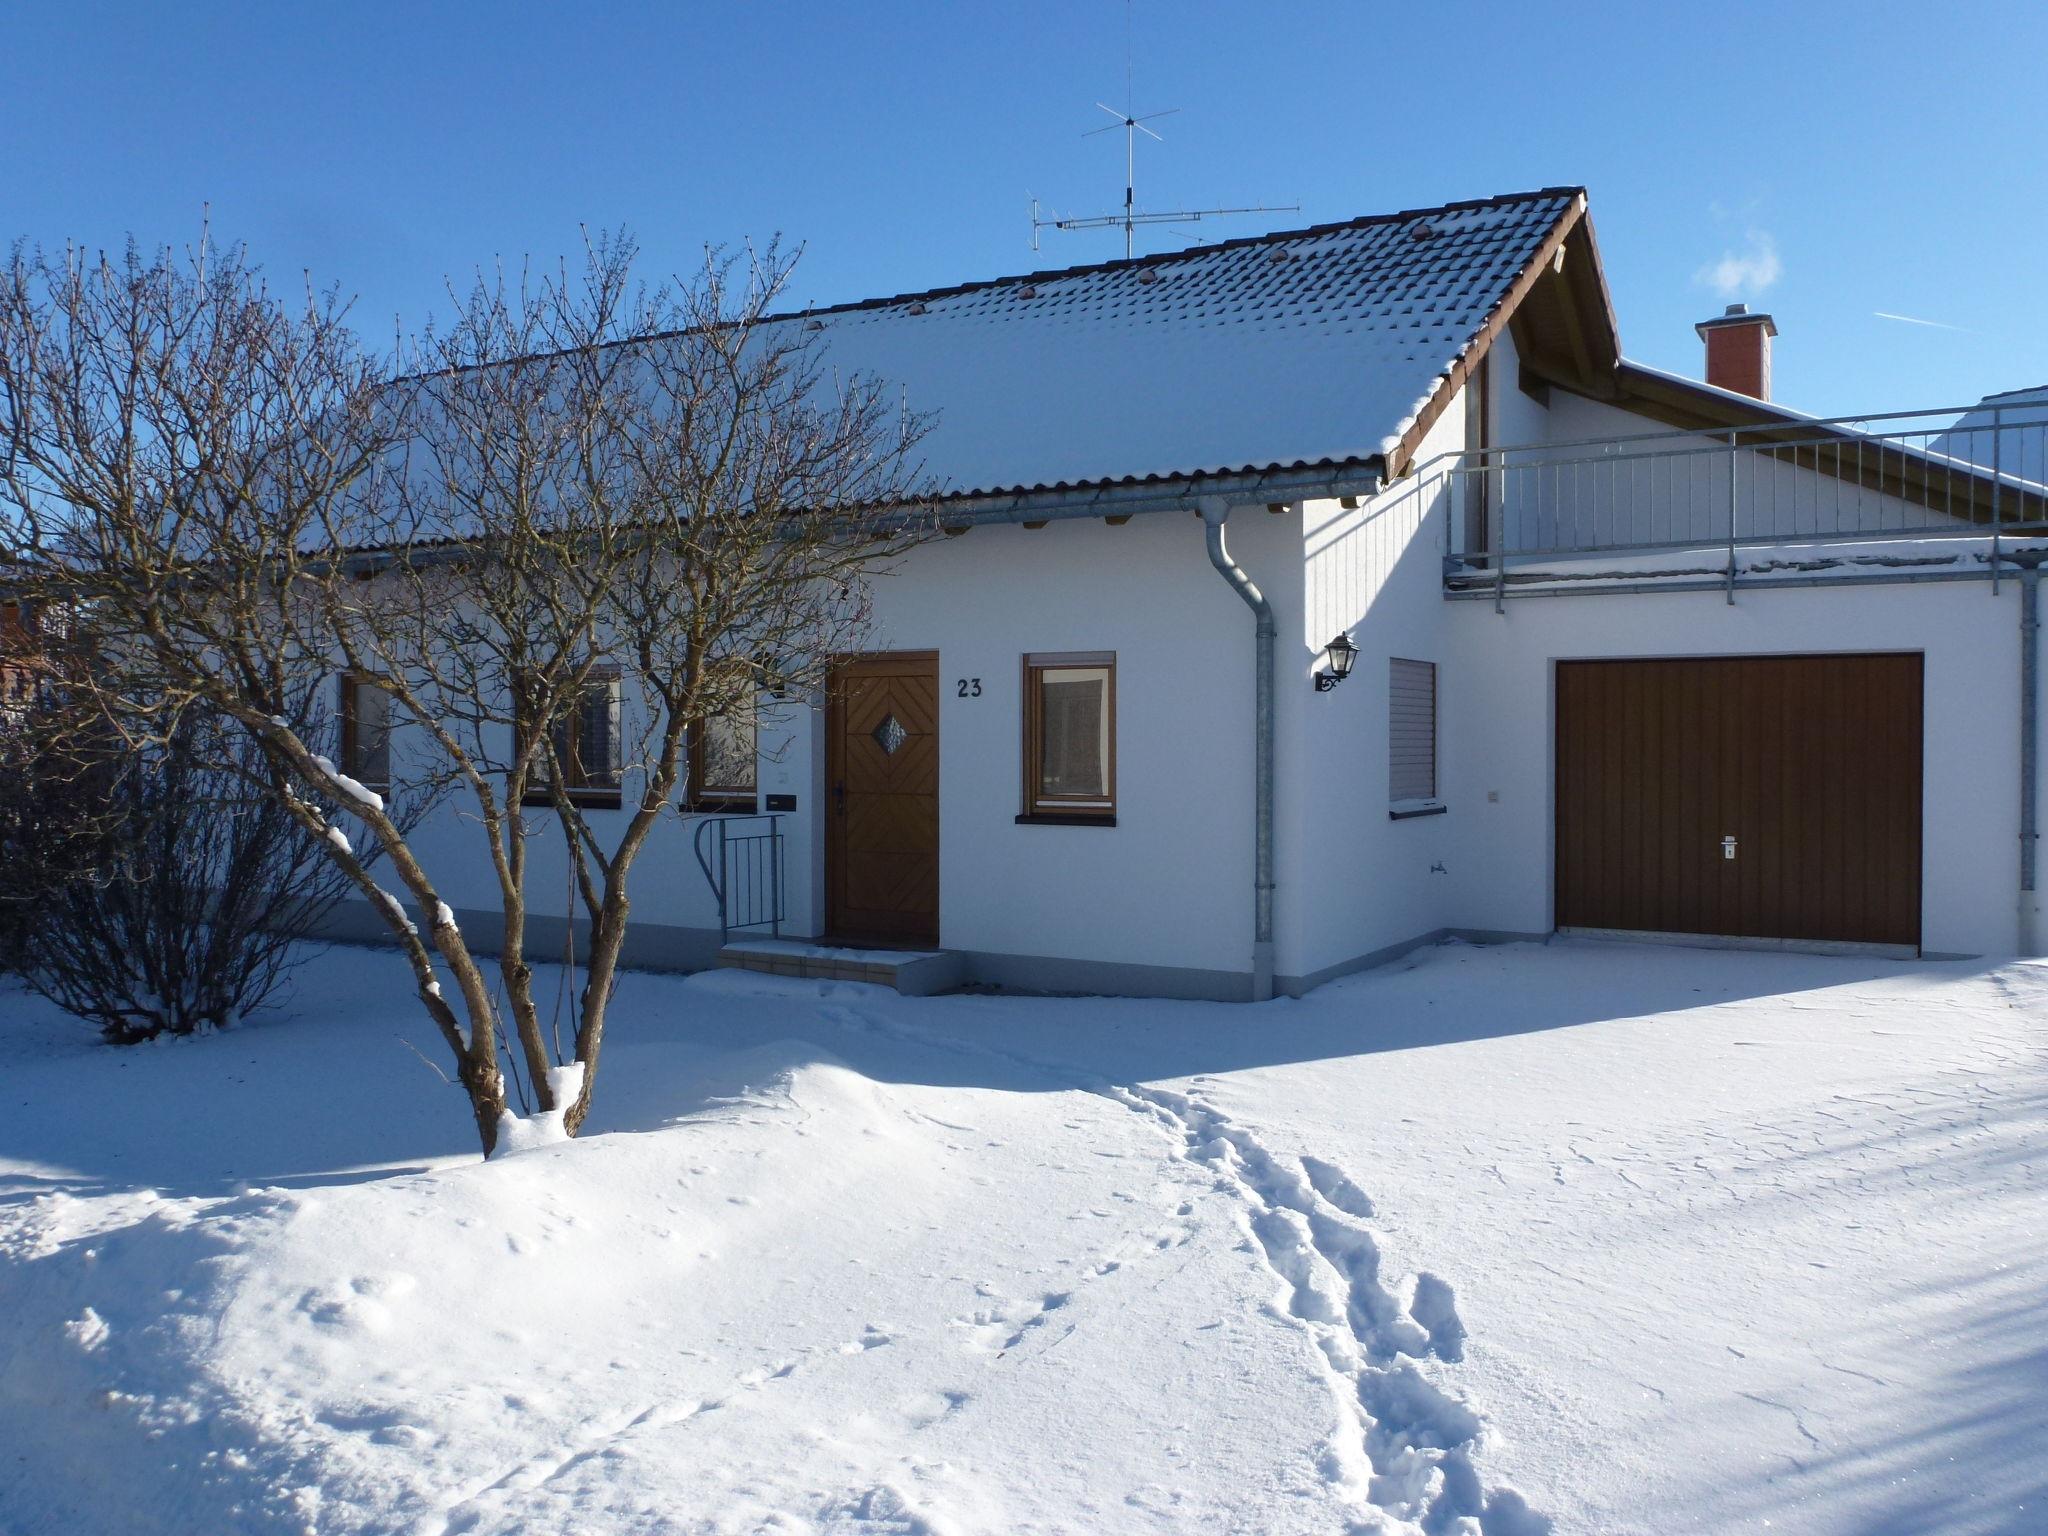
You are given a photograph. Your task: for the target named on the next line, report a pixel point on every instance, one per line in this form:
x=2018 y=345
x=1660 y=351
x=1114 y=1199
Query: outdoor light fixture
x=1340 y=653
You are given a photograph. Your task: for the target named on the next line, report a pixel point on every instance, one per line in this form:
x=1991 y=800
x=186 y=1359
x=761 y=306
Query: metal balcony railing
x=1978 y=470
x=741 y=857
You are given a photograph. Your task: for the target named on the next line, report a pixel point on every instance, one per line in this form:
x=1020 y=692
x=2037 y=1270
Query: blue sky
x=1867 y=160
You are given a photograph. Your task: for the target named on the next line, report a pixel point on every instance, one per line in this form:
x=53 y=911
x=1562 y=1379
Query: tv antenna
x=1129 y=220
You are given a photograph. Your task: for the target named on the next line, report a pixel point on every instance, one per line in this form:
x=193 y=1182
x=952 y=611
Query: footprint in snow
x=921 y=1410
x=1336 y=1186
x=1435 y=1307
x=871 y=1337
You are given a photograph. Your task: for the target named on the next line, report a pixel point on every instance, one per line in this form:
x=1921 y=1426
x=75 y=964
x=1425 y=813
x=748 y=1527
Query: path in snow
x=1404 y=1444
x=1310 y=1222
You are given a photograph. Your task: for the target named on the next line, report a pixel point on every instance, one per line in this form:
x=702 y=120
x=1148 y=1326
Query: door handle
x=839 y=796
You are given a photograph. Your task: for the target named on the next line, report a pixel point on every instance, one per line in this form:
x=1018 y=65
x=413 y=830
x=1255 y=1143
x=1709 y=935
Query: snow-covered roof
x=1748 y=405
x=2009 y=430
x=1300 y=349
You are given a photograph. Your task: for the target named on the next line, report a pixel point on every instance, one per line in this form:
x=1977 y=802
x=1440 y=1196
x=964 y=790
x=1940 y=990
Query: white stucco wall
x=1360 y=881
x=453 y=848
x=1502 y=715
x=1171 y=883
x=1366 y=883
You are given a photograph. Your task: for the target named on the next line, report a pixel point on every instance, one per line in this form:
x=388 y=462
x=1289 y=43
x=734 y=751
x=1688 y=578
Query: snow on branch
x=349 y=789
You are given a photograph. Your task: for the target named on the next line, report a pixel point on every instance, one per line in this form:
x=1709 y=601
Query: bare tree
x=586 y=519
x=152 y=892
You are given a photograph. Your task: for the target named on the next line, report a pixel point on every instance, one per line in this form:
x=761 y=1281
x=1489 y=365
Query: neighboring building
x=2005 y=430
x=18 y=656
x=1632 y=652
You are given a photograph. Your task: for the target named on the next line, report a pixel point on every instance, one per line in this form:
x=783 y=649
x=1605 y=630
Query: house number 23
x=970 y=687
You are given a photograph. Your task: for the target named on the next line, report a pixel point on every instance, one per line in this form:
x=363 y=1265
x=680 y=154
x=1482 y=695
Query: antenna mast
x=1131 y=218
x=1133 y=124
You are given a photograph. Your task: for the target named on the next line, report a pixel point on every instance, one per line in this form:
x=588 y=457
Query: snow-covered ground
x=1589 y=1237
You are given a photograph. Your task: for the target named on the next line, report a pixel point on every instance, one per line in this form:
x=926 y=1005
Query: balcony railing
x=1977 y=470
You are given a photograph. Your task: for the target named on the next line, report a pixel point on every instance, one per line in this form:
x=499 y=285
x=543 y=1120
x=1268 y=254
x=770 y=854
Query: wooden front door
x=1758 y=796
x=882 y=777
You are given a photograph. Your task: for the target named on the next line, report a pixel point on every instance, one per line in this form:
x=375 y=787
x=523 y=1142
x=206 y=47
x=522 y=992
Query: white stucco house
x=1313 y=596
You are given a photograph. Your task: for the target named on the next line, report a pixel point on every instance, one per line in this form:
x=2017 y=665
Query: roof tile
x=1309 y=347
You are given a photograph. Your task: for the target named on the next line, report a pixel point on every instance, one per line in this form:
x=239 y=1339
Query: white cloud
x=1750 y=270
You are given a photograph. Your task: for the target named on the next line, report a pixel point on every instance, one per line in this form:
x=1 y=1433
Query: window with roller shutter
x=1411 y=730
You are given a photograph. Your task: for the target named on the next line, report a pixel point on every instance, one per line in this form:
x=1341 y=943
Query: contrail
x=1939 y=325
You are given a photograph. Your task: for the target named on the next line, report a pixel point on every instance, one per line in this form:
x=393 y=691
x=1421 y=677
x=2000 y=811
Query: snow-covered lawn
x=1623 y=1239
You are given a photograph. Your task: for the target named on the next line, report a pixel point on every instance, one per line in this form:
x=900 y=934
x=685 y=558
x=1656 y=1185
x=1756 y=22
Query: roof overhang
x=1560 y=315
x=1034 y=508
x=1271 y=487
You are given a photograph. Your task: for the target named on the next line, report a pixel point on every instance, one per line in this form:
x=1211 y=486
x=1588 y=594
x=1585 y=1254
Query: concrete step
x=912 y=972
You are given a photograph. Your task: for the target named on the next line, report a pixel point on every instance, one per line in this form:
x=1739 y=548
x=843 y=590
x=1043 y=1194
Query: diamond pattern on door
x=882 y=763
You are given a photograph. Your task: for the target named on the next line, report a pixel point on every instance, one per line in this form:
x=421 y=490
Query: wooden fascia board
x=1589 y=288
x=1680 y=403
x=1574 y=323
x=1576 y=301
x=1403 y=455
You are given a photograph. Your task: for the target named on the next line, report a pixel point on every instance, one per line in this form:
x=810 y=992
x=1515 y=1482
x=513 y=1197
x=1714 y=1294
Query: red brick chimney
x=1739 y=351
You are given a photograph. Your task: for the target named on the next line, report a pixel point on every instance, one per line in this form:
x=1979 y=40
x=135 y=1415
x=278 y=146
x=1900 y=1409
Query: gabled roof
x=1335 y=345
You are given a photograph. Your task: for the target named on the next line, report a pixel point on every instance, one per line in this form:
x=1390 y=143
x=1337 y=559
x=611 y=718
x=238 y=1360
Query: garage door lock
x=1728 y=847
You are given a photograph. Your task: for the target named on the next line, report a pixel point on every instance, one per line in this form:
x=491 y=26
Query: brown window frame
x=350 y=682
x=1054 y=810
x=606 y=683
x=727 y=798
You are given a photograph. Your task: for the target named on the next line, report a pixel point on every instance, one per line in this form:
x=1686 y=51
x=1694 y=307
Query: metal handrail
x=1846 y=425
x=1786 y=482
x=743 y=871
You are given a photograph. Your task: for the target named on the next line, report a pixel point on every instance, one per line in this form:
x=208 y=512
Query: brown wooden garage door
x=1810 y=763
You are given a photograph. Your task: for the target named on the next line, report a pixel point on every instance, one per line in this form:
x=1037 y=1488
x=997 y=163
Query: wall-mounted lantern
x=1340 y=653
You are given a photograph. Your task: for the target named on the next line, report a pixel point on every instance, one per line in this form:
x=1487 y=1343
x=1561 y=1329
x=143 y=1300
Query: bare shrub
x=156 y=892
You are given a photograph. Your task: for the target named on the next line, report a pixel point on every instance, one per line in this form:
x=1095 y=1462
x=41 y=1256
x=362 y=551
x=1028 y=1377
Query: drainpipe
x=1215 y=511
x=2030 y=757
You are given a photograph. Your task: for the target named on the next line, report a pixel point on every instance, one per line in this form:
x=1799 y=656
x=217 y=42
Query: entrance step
x=912 y=972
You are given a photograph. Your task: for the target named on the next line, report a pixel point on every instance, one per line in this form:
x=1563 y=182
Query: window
x=722 y=753
x=365 y=732
x=1070 y=738
x=586 y=745
x=1411 y=731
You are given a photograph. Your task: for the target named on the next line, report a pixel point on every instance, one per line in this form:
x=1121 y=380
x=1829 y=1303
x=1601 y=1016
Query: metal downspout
x=1215 y=512
x=2030 y=755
